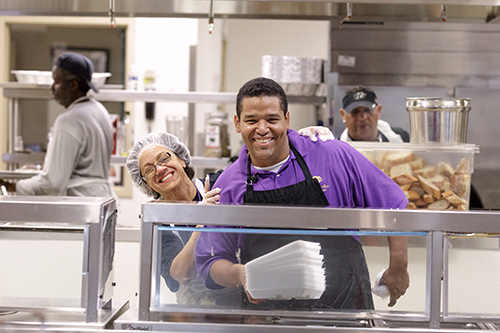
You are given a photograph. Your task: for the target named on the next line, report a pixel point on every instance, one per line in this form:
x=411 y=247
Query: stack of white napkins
x=292 y=271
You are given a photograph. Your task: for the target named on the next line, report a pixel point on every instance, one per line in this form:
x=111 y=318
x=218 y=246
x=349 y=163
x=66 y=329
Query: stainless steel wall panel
x=404 y=80
x=483 y=130
x=421 y=63
x=418 y=49
x=417 y=37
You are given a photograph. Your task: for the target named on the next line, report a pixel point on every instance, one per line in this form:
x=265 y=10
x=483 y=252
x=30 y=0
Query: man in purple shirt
x=278 y=167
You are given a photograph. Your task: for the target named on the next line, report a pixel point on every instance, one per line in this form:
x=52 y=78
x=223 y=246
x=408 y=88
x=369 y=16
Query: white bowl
x=45 y=77
x=33 y=77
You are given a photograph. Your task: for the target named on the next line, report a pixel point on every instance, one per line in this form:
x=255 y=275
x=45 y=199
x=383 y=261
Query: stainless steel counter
x=436 y=226
x=94 y=219
x=6 y=174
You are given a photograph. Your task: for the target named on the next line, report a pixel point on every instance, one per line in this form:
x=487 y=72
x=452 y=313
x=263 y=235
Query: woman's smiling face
x=167 y=177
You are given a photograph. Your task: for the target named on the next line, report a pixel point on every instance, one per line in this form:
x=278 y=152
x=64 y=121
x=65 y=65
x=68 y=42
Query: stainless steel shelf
x=28 y=158
x=34 y=91
x=197 y=161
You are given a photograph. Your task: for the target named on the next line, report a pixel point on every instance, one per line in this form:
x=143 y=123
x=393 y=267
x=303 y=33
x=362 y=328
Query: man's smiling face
x=263 y=126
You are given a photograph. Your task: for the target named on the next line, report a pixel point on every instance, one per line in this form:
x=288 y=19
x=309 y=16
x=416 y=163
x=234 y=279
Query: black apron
x=347 y=279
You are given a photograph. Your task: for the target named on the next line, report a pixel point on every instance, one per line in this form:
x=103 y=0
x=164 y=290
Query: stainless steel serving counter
x=92 y=220
x=434 y=226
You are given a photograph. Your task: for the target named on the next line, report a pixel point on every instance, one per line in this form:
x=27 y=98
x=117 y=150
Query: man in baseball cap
x=361 y=114
x=78 y=65
x=78 y=155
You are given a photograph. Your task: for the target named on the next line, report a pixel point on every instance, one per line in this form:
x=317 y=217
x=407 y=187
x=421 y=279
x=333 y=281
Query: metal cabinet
x=32 y=219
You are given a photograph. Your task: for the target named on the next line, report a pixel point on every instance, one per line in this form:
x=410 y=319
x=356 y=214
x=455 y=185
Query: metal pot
x=438 y=119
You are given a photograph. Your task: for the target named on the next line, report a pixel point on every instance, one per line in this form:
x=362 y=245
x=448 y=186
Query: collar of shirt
x=78 y=100
x=273 y=168
x=294 y=137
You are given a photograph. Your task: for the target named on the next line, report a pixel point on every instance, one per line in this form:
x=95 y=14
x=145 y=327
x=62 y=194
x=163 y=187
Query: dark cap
x=78 y=65
x=360 y=97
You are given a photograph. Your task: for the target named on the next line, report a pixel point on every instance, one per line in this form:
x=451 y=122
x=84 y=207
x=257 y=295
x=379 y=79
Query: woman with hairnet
x=159 y=165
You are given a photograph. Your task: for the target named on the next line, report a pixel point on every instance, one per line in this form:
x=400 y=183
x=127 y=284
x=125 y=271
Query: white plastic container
x=45 y=77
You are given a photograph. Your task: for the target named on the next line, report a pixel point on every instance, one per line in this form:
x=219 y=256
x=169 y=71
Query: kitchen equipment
x=438 y=119
x=178 y=126
x=297 y=76
x=45 y=77
x=217 y=135
x=428 y=173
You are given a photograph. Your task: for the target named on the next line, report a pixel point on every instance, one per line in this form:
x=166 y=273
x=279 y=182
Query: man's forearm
x=398 y=251
x=228 y=274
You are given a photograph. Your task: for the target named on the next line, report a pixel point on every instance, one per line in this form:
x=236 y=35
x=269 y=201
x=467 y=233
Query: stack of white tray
x=292 y=271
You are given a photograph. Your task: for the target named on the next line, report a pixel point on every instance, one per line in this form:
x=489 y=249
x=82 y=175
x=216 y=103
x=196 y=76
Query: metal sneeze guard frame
x=404 y=222
x=68 y=213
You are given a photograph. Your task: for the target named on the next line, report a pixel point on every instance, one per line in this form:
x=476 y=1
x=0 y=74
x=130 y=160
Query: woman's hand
x=323 y=132
x=211 y=196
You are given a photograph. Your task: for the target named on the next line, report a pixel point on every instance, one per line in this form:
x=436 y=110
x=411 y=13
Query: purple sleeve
x=214 y=246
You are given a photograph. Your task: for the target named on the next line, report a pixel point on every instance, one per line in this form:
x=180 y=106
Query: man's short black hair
x=258 y=87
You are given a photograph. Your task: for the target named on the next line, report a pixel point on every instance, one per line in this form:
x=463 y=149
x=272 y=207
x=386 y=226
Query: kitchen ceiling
x=367 y=10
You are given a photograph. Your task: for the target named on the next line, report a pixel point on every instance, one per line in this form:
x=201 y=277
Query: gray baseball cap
x=78 y=65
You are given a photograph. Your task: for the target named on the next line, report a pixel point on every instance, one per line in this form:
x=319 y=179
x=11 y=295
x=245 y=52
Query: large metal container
x=298 y=76
x=438 y=119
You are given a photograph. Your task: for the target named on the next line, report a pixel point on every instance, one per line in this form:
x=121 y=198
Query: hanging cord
x=112 y=13
x=348 y=17
x=211 y=17
x=443 y=13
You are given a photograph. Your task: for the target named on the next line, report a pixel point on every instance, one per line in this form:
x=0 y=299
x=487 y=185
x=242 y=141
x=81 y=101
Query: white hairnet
x=164 y=139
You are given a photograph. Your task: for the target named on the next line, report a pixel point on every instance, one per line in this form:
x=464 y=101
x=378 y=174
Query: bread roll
x=454 y=199
x=445 y=169
x=464 y=166
x=439 y=205
x=411 y=195
x=404 y=179
x=400 y=157
x=428 y=171
x=418 y=164
x=429 y=187
x=420 y=203
x=459 y=183
x=411 y=205
x=428 y=198
x=399 y=169
x=405 y=187
x=438 y=180
x=417 y=188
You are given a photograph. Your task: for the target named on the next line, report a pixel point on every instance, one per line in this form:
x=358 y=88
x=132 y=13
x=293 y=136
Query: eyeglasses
x=355 y=112
x=150 y=171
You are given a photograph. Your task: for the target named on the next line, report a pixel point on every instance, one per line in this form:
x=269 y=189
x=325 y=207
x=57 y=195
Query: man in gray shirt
x=78 y=155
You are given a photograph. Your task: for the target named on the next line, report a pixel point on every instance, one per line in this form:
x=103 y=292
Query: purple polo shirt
x=348 y=180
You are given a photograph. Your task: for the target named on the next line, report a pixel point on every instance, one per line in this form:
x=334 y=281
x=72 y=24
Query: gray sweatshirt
x=78 y=155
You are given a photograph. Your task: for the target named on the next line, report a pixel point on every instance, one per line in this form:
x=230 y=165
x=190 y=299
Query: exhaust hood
x=367 y=10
